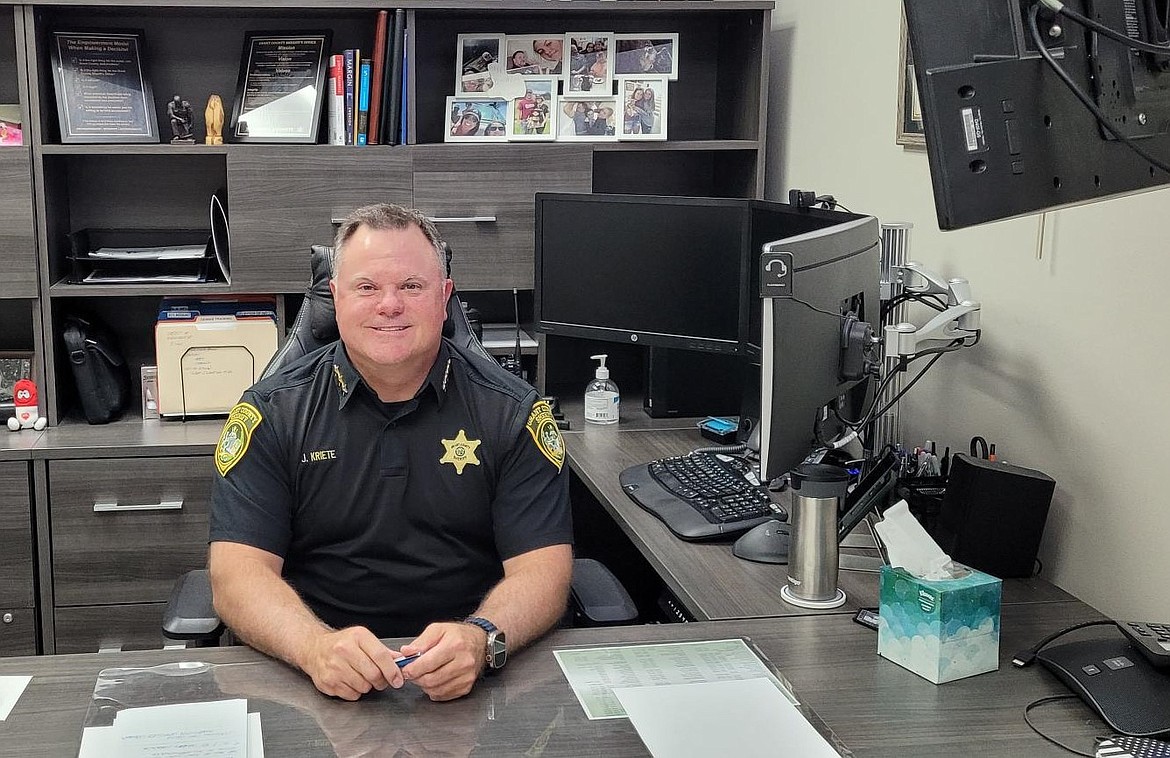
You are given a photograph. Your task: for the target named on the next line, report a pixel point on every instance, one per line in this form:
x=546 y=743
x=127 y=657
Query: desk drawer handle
x=441 y=220
x=165 y=505
x=462 y=219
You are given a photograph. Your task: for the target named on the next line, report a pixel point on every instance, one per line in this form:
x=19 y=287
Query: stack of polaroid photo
x=572 y=87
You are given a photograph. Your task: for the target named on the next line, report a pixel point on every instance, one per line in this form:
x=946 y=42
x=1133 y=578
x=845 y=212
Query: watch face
x=497 y=652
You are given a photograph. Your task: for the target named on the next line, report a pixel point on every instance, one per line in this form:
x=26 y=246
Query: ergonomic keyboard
x=701 y=495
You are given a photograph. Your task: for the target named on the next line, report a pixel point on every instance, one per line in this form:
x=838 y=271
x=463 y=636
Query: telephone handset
x=1152 y=640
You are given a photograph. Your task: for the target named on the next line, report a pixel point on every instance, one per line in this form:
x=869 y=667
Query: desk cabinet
x=122 y=531
x=17 y=601
x=496 y=184
x=314 y=184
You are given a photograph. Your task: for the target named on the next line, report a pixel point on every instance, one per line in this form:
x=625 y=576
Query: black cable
x=1025 y=657
x=894 y=400
x=937 y=352
x=1084 y=98
x=809 y=305
x=1113 y=34
x=1053 y=740
x=934 y=302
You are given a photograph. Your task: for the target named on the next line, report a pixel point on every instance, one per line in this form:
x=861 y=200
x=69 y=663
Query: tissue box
x=941 y=630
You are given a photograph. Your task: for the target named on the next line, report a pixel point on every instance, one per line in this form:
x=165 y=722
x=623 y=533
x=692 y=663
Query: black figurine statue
x=182 y=121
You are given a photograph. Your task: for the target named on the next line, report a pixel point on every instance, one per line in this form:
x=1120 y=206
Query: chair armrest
x=597 y=598
x=189 y=614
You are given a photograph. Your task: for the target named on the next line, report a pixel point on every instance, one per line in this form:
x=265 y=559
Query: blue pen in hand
x=401 y=662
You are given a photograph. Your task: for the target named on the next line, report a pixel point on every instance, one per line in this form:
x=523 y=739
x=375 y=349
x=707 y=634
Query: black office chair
x=597 y=598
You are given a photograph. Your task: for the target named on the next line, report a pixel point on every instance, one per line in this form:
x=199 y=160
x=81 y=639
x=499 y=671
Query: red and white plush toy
x=24 y=396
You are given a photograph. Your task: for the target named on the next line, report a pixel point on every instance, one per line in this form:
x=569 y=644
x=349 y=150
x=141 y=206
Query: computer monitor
x=667 y=272
x=812 y=283
x=1006 y=136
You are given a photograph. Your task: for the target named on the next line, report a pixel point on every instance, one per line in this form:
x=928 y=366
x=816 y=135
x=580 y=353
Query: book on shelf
x=351 y=72
x=366 y=95
x=403 y=103
x=336 y=95
x=361 y=137
x=377 y=72
x=392 y=91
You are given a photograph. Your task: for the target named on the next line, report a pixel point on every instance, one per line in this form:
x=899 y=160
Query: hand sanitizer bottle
x=602 y=398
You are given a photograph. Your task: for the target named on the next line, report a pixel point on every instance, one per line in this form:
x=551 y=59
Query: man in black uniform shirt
x=390 y=484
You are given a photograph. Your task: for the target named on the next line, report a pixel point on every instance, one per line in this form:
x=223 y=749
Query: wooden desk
x=710 y=582
x=873 y=706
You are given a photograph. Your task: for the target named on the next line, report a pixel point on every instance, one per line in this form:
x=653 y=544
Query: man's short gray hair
x=387 y=216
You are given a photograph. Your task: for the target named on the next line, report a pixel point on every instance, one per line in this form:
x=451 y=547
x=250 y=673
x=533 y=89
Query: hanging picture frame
x=910 y=131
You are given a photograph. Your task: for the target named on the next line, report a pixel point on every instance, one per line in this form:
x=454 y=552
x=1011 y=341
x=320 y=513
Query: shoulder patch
x=237 y=433
x=543 y=428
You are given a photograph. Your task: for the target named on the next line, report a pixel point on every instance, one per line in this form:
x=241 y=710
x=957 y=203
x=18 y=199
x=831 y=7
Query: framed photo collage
x=571 y=87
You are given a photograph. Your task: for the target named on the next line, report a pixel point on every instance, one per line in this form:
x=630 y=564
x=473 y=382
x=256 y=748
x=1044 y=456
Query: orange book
x=377 y=71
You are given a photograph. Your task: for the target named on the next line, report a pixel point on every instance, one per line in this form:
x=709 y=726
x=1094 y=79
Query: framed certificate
x=14 y=366
x=281 y=89
x=103 y=92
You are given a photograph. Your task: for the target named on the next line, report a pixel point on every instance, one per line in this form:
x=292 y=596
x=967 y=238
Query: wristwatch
x=496 y=651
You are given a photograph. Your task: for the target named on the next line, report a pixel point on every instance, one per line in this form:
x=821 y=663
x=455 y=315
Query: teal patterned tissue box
x=941 y=630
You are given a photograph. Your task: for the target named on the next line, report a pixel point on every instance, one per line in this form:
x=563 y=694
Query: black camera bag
x=103 y=379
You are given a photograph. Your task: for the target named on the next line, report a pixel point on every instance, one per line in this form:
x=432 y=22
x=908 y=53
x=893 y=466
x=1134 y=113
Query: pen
x=401 y=662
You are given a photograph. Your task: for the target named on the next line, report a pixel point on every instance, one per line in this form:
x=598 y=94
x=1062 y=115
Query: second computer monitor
x=670 y=272
x=810 y=283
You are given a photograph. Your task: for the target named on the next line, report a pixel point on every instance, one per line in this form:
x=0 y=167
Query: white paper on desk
x=216 y=729
x=11 y=688
x=745 y=719
x=593 y=673
x=105 y=742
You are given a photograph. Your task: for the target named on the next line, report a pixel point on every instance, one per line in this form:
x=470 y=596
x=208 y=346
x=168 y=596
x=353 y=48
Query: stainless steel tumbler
x=813 y=558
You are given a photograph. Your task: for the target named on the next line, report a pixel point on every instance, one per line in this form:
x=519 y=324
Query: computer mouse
x=766 y=543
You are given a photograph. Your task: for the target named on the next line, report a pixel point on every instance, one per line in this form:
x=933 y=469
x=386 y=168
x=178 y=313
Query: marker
x=401 y=662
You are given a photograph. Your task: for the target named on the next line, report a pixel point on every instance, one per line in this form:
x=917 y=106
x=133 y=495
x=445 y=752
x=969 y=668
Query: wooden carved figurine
x=213 y=117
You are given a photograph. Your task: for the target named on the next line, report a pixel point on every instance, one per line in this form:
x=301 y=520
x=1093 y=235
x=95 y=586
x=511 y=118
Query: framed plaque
x=103 y=92
x=14 y=366
x=281 y=89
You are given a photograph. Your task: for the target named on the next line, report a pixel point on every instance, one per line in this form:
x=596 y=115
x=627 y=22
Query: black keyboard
x=701 y=495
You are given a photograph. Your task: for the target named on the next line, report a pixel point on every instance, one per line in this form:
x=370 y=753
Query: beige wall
x=1072 y=372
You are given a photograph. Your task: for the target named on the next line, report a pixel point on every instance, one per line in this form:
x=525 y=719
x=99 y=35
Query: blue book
x=404 y=104
x=363 y=123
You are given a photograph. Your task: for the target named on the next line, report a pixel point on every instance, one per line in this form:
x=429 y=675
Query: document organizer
x=210 y=374
x=137 y=256
x=208 y=351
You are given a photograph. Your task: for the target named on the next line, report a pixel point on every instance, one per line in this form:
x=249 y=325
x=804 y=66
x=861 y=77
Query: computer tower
x=993 y=515
x=682 y=383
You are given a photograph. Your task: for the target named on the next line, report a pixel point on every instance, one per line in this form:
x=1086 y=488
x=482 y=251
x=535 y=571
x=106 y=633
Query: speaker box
x=682 y=383
x=993 y=514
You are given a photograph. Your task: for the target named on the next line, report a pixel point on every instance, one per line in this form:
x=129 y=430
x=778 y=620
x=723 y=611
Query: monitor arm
x=959 y=320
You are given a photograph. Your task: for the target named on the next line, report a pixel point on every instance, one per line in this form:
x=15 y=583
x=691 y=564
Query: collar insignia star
x=460 y=452
x=340 y=379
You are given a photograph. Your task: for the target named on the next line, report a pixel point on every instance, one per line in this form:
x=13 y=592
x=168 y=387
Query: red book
x=377 y=71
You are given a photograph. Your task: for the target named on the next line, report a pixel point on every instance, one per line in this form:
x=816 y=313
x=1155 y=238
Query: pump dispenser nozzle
x=602 y=372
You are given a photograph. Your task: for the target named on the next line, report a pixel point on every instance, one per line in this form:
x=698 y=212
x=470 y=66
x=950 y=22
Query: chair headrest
x=323 y=318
